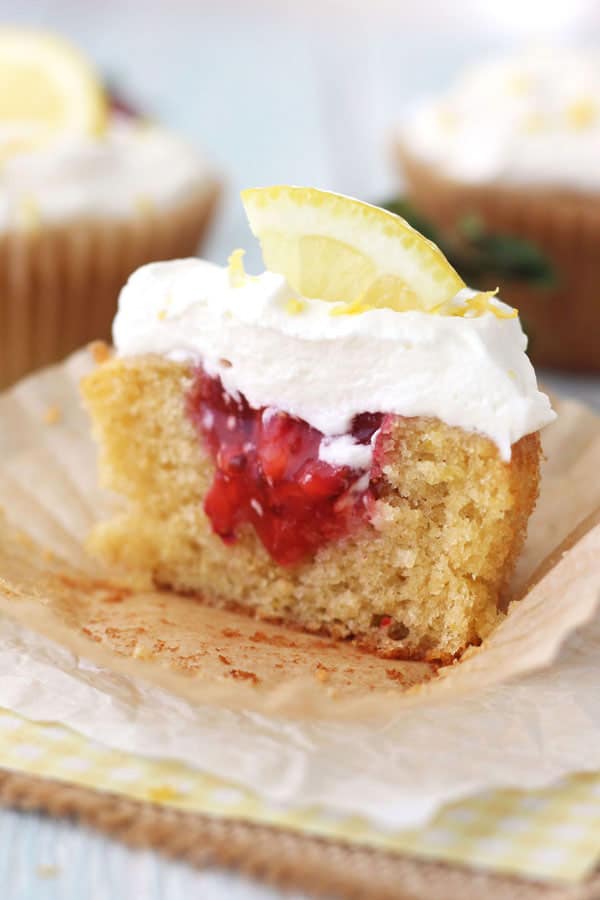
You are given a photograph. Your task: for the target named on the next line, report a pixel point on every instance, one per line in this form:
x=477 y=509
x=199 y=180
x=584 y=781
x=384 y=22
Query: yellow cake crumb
x=141 y=651
x=442 y=493
x=322 y=673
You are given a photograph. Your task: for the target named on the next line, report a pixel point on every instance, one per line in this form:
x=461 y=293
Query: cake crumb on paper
x=141 y=651
x=90 y=634
x=322 y=673
x=231 y=633
x=275 y=640
x=116 y=596
x=241 y=675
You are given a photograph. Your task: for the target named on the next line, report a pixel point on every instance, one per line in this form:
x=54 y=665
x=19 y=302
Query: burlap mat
x=282 y=858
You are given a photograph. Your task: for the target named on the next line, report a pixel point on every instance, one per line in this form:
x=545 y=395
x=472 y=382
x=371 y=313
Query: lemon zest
x=581 y=113
x=351 y=309
x=237 y=273
x=475 y=306
x=53 y=89
x=295 y=306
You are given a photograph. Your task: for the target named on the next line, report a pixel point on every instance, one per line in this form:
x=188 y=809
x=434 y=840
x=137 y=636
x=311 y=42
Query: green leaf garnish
x=480 y=256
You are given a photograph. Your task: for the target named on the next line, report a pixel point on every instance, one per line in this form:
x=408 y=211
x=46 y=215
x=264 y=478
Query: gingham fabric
x=552 y=834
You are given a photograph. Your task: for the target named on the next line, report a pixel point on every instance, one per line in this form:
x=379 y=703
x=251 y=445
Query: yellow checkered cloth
x=551 y=834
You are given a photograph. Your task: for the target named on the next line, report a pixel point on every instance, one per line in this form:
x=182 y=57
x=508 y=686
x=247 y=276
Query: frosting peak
x=131 y=167
x=532 y=119
x=470 y=372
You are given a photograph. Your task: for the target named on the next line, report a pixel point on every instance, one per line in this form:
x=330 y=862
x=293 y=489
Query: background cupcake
x=87 y=194
x=505 y=170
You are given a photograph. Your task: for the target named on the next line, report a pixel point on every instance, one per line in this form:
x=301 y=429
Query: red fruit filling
x=268 y=473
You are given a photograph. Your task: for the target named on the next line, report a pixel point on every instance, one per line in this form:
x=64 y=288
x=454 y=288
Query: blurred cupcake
x=87 y=195
x=504 y=170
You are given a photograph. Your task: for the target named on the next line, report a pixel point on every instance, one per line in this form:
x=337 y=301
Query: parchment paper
x=300 y=719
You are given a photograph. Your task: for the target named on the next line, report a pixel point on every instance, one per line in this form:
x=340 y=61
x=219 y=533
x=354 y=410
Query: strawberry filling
x=268 y=473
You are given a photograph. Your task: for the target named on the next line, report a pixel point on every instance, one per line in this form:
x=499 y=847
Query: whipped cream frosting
x=469 y=372
x=527 y=120
x=133 y=166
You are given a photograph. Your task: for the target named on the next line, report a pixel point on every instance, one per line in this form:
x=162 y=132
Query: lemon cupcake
x=87 y=194
x=505 y=169
x=347 y=443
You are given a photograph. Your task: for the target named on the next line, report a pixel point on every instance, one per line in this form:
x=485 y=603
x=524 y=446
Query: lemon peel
x=53 y=91
x=353 y=255
x=335 y=248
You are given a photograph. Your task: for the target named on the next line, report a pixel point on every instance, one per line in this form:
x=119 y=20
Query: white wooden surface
x=276 y=92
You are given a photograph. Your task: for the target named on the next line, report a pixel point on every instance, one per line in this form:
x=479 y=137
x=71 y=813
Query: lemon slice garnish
x=48 y=89
x=335 y=248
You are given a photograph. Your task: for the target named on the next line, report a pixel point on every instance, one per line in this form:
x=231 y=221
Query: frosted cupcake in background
x=504 y=171
x=87 y=194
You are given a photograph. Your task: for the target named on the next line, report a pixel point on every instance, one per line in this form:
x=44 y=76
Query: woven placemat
x=280 y=857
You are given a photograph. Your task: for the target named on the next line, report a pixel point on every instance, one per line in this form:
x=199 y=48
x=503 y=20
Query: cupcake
x=504 y=171
x=87 y=194
x=347 y=443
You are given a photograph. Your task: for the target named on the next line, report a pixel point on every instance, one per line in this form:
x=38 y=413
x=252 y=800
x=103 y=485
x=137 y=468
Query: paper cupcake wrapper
x=563 y=322
x=298 y=718
x=59 y=284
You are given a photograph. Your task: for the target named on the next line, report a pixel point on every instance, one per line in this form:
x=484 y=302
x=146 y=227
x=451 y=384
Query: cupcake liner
x=59 y=284
x=295 y=716
x=562 y=321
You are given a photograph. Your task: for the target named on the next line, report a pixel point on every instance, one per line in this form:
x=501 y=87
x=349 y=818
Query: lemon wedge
x=339 y=249
x=48 y=89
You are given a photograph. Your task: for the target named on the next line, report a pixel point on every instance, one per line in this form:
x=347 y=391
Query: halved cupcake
x=504 y=167
x=347 y=442
x=87 y=195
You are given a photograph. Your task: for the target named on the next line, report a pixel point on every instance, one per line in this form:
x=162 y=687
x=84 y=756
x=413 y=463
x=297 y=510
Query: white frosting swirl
x=529 y=120
x=469 y=372
x=132 y=167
